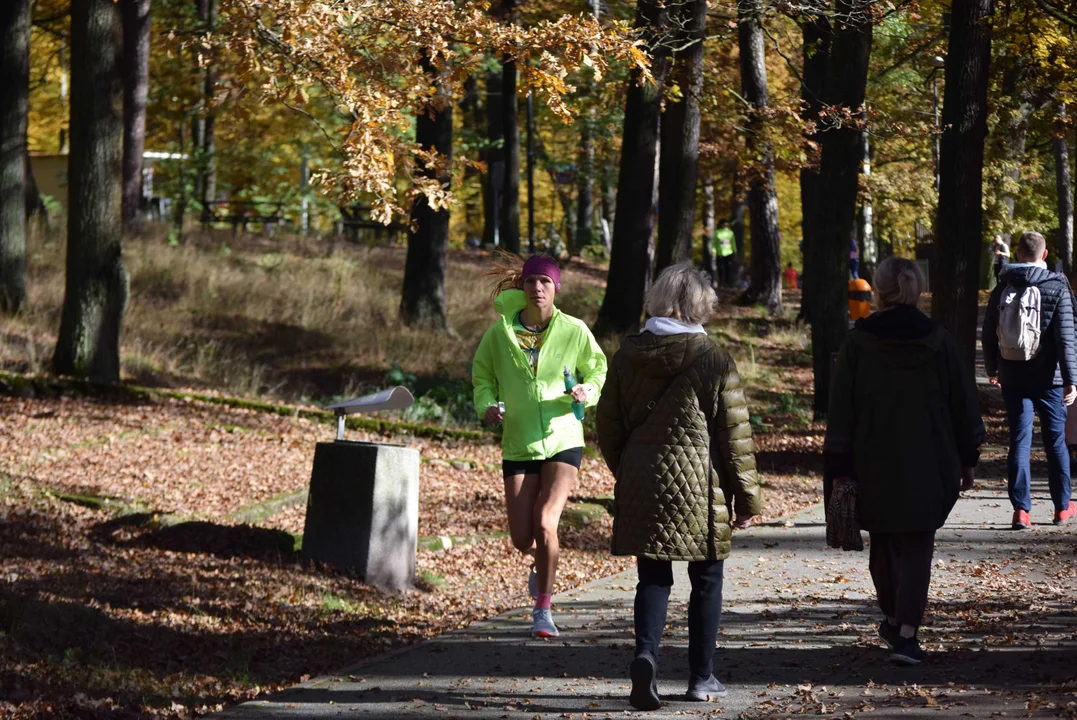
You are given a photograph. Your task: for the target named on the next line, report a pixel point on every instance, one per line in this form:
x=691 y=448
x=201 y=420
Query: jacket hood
x=664 y=355
x=510 y=302
x=902 y=333
x=1024 y=274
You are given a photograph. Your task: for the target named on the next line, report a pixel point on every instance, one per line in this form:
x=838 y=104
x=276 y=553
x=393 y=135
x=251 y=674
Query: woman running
x=520 y=374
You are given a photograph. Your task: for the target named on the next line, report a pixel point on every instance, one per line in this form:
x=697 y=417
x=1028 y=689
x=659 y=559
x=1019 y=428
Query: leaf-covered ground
x=131 y=588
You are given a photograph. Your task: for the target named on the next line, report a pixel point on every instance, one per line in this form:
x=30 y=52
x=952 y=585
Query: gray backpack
x=1019 y=323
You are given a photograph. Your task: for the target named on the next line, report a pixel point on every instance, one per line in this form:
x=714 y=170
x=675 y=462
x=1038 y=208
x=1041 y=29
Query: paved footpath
x=797 y=638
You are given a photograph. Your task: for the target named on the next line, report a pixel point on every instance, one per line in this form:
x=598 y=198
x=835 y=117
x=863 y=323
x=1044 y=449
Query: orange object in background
x=859 y=299
x=790 y=276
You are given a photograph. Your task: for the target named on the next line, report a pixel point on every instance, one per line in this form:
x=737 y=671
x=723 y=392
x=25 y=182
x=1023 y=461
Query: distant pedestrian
x=854 y=260
x=673 y=427
x=725 y=253
x=519 y=379
x=1029 y=350
x=1000 y=250
x=790 y=277
x=904 y=427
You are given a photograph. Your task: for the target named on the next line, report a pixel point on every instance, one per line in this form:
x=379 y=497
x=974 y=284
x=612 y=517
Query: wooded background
x=617 y=131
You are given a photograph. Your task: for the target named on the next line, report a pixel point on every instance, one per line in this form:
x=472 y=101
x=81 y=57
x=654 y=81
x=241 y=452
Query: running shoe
x=542 y=624
x=888 y=633
x=1021 y=520
x=702 y=690
x=907 y=651
x=1063 y=516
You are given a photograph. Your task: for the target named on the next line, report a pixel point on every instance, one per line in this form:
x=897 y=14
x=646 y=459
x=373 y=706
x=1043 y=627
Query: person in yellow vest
x=724 y=251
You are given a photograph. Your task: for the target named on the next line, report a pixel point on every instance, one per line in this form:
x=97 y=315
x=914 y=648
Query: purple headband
x=542 y=265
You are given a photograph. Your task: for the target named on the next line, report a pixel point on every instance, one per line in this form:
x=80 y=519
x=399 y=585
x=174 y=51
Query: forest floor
x=148 y=542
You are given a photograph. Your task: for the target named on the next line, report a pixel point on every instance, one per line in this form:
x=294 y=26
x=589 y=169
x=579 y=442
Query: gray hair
x=683 y=293
x=898 y=281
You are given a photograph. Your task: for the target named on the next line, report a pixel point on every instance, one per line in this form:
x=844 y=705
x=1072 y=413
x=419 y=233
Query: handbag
x=842 y=522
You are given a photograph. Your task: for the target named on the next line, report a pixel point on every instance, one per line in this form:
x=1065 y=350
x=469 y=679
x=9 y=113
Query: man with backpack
x=1029 y=349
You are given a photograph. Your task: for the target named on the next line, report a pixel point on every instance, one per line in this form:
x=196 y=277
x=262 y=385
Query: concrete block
x=363 y=510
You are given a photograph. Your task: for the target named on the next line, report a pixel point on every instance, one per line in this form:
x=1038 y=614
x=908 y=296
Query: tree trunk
x=95 y=294
x=585 y=188
x=738 y=211
x=205 y=136
x=959 y=224
x=493 y=189
x=14 y=111
x=816 y=33
x=709 y=263
x=609 y=202
x=766 y=283
x=510 y=220
x=680 y=139
x=1060 y=145
x=865 y=226
x=136 y=83
x=630 y=257
x=423 y=300
x=839 y=175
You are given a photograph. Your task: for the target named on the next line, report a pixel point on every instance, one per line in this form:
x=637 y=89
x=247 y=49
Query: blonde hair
x=898 y=281
x=683 y=293
x=507 y=272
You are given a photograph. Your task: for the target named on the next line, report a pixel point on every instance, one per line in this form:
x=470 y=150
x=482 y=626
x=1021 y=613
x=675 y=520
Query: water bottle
x=570 y=382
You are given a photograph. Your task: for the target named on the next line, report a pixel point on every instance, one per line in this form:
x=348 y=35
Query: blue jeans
x=704 y=609
x=1021 y=404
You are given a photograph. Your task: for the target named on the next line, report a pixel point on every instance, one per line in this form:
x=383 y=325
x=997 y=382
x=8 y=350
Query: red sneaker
x=1021 y=520
x=1062 y=516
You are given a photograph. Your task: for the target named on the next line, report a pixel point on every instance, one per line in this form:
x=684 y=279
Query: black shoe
x=644 y=674
x=703 y=689
x=907 y=651
x=888 y=633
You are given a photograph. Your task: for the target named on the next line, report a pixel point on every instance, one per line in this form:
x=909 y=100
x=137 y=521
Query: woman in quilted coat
x=673 y=427
x=904 y=427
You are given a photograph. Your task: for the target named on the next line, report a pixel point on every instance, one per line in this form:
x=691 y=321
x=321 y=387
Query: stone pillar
x=363 y=510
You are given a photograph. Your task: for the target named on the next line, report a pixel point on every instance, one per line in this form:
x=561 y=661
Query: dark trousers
x=900 y=566
x=726 y=266
x=1021 y=406
x=704 y=609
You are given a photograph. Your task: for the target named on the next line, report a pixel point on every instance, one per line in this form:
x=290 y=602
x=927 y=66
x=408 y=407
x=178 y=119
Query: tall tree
x=959 y=223
x=423 y=300
x=865 y=215
x=709 y=263
x=1064 y=203
x=136 y=83
x=585 y=176
x=585 y=186
x=14 y=110
x=510 y=218
x=95 y=294
x=839 y=174
x=493 y=189
x=816 y=47
x=679 y=161
x=766 y=282
x=633 y=227
x=205 y=135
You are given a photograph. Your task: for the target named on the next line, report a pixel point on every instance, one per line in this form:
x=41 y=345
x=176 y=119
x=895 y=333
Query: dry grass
x=280 y=317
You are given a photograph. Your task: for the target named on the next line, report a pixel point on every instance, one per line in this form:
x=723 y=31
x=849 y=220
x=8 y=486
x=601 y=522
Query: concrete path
x=797 y=637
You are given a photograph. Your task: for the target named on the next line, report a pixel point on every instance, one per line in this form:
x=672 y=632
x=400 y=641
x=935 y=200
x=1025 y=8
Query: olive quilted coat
x=680 y=464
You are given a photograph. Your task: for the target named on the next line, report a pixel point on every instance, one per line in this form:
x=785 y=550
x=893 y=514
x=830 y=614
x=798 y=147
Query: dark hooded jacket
x=1056 y=363
x=682 y=463
x=903 y=420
